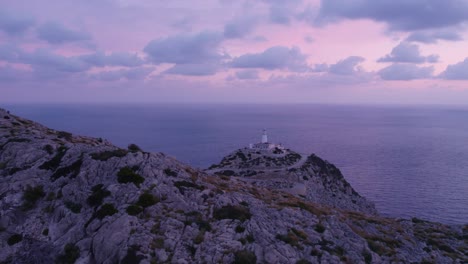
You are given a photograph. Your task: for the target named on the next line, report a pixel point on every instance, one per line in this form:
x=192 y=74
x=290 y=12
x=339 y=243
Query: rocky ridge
x=308 y=177
x=73 y=199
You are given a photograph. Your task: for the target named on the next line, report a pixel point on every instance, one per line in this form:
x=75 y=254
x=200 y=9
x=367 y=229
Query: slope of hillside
x=74 y=199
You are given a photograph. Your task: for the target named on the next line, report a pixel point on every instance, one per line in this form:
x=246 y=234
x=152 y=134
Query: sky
x=246 y=51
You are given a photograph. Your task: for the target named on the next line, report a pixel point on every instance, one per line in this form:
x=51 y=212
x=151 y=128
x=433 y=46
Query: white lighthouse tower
x=264 y=136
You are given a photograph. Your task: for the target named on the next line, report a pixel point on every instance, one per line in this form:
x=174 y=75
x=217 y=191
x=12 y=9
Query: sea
x=411 y=161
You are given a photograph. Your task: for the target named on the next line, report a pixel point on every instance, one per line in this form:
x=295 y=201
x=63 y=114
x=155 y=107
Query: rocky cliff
x=73 y=199
x=306 y=176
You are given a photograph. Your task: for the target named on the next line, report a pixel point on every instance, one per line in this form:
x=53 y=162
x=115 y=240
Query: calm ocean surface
x=411 y=161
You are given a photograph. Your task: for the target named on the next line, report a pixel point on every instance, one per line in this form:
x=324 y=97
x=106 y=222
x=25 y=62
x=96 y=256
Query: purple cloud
x=185 y=49
x=348 y=66
x=56 y=33
x=100 y=59
x=277 y=57
x=431 y=37
x=405 y=72
x=458 y=71
x=408 y=53
x=401 y=15
x=193 y=69
x=239 y=27
x=247 y=75
x=15 y=24
x=129 y=74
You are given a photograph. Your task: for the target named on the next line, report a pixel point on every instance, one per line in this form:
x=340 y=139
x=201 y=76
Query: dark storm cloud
x=274 y=58
x=431 y=37
x=458 y=71
x=100 y=59
x=56 y=33
x=193 y=69
x=404 y=15
x=14 y=24
x=347 y=66
x=247 y=75
x=405 y=72
x=408 y=53
x=185 y=49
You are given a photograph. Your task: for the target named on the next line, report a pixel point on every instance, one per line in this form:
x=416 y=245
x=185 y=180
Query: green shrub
x=54 y=163
x=170 y=172
x=45 y=232
x=232 y=212
x=74 y=207
x=250 y=238
x=3 y=165
x=13 y=239
x=134 y=148
x=146 y=200
x=134 y=209
x=240 y=229
x=31 y=195
x=244 y=257
x=303 y=261
x=49 y=149
x=127 y=175
x=97 y=196
x=105 y=155
x=65 y=135
x=184 y=185
x=319 y=228
x=73 y=170
x=70 y=255
x=106 y=210
x=199 y=238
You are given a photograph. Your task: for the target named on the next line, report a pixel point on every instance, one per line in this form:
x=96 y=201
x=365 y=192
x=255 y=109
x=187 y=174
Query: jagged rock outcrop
x=309 y=177
x=73 y=199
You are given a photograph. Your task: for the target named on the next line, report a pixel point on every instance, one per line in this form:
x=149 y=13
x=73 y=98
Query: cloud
x=247 y=74
x=321 y=67
x=56 y=33
x=274 y=58
x=347 y=66
x=405 y=72
x=15 y=24
x=402 y=15
x=129 y=74
x=43 y=58
x=185 y=49
x=282 y=12
x=458 y=71
x=239 y=27
x=193 y=69
x=100 y=59
x=10 y=74
x=431 y=37
x=408 y=53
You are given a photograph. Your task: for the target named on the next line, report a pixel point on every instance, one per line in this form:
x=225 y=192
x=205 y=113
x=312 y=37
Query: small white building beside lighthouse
x=264 y=144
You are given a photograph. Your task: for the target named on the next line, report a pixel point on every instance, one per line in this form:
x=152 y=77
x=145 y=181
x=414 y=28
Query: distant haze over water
x=411 y=161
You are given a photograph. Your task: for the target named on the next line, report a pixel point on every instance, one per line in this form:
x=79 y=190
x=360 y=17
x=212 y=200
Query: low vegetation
x=105 y=155
x=72 y=170
x=105 y=210
x=31 y=195
x=97 y=196
x=15 y=238
x=232 y=212
x=128 y=175
x=54 y=163
x=244 y=257
x=170 y=172
x=70 y=254
x=72 y=206
x=134 y=209
x=134 y=148
x=146 y=200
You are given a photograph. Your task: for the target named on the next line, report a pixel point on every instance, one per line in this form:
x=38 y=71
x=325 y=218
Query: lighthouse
x=264 y=137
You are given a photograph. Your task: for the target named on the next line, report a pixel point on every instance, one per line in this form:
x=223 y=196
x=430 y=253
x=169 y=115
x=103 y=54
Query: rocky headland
x=73 y=199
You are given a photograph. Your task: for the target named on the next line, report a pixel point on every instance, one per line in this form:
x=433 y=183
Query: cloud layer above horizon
x=331 y=51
